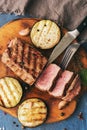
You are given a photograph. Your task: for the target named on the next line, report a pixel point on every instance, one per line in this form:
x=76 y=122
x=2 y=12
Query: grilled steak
x=73 y=90
x=47 y=78
x=61 y=84
x=25 y=61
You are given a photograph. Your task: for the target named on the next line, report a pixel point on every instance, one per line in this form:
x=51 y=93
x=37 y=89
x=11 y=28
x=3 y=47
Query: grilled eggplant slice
x=32 y=112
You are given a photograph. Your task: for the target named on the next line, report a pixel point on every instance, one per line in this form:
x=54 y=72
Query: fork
x=70 y=51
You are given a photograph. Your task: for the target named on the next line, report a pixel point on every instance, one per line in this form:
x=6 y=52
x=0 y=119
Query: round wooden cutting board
x=10 y=31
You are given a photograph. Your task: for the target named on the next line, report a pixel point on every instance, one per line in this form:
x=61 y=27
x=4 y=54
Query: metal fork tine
x=68 y=55
x=70 y=51
x=67 y=58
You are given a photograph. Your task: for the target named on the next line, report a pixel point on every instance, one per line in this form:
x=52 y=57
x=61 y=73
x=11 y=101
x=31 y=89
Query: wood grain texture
x=10 y=31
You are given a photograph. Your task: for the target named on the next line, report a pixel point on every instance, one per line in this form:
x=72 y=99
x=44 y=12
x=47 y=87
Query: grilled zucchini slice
x=45 y=34
x=10 y=92
x=32 y=112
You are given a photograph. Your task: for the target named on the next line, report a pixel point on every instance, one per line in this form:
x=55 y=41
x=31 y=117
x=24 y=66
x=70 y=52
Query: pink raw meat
x=60 y=86
x=46 y=79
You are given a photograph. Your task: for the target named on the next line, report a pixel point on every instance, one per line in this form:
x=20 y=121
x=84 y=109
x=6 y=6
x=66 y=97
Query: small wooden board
x=10 y=31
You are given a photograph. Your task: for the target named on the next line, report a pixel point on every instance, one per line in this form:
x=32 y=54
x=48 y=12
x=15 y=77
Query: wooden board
x=10 y=31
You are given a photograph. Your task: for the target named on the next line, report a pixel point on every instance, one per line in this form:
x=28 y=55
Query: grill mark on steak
x=14 y=50
x=25 y=57
x=25 y=61
x=34 y=70
x=20 y=53
x=9 y=50
x=22 y=63
x=38 y=65
x=15 y=60
x=42 y=59
x=29 y=60
x=29 y=53
x=31 y=63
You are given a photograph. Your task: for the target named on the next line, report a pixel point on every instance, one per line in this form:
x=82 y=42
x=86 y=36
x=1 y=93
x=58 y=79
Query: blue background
x=72 y=123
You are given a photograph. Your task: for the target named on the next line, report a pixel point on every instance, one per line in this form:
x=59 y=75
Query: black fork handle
x=83 y=24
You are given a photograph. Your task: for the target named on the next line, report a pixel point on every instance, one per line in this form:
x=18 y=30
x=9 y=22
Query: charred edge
x=68 y=84
x=36 y=57
x=42 y=62
x=29 y=51
x=16 y=50
x=31 y=71
x=25 y=57
x=15 y=60
x=75 y=91
x=34 y=63
x=21 y=55
x=1 y=100
x=9 y=51
x=29 y=55
x=55 y=80
x=75 y=83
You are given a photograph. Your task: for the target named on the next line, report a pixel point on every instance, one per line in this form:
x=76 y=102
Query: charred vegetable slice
x=32 y=112
x=10 y=92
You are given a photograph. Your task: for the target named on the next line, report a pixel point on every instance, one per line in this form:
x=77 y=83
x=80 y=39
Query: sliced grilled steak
x=73 y=90
x=71 y=93
x=25 y=61
x=61 y=84
x=47 y=78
